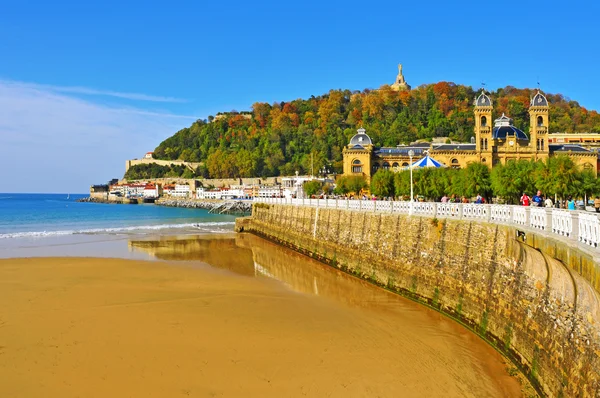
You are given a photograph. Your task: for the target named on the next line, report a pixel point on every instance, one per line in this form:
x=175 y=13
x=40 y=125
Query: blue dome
x=361 y=138
x=539 y=100
x=483 y=100
x=503 y=127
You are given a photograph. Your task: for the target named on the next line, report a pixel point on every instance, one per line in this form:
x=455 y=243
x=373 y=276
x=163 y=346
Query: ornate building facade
x=494 y=144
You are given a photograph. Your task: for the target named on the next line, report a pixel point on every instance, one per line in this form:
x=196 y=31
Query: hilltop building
x=494 y=144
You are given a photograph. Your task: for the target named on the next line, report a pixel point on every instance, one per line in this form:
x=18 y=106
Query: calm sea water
x=40 y=220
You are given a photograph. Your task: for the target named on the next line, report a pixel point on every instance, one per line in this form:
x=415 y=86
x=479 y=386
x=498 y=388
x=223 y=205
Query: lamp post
x=410 y=156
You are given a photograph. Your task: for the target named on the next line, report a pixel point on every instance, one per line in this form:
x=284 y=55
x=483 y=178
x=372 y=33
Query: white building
x=268 y=191
x=181 y=191
x=151 y=191
x=202 y=193
x=135 y=190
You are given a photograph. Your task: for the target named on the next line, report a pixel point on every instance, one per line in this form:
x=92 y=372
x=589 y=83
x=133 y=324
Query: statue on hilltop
x=400 y=84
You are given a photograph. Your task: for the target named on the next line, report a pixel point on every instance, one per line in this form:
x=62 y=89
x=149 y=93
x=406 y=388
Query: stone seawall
x=530 y=306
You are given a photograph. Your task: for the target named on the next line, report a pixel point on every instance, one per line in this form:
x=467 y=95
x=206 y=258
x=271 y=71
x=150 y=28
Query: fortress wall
x=525 y=302
x=133 y=162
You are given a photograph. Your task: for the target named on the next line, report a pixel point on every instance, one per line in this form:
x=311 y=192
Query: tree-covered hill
x=278 y=139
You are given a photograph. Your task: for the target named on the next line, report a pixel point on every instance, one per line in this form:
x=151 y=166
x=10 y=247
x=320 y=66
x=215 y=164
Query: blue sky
x=86 y=85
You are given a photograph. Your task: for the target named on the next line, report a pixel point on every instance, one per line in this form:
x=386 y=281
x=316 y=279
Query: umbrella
x=427 y=162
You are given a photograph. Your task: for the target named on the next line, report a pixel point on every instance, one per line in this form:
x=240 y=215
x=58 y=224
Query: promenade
x=578 y=227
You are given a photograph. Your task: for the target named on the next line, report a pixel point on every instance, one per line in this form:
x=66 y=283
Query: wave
x=202 y=226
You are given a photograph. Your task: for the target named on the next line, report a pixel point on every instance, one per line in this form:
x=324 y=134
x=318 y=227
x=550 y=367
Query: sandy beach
x=84 y=327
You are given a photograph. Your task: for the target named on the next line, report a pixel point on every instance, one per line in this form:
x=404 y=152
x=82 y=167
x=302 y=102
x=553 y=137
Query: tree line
x=307 y=134
x=558 y=176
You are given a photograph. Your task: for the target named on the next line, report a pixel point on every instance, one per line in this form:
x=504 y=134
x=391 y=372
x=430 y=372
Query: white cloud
x=90 y=91
x=51 y=142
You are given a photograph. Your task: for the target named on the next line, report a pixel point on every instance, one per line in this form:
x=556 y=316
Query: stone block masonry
x=541 y=314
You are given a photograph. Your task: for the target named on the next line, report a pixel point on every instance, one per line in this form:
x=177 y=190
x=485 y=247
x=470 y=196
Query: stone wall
x=540 y=313
x=191 y=165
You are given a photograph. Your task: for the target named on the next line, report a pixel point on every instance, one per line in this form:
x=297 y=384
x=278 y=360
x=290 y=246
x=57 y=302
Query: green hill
x=278 y=139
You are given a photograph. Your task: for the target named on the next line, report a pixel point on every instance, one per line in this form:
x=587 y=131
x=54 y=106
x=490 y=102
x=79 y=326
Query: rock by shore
x=214 y=206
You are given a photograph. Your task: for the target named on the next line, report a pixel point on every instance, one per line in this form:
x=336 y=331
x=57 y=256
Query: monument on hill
x=400 y=84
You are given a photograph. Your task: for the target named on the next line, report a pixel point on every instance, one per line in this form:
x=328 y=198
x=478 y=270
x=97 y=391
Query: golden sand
x=73 y=327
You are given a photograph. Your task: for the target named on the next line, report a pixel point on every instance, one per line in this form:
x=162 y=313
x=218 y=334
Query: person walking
x=538 y=199
x=571 y=203
x=525 y=199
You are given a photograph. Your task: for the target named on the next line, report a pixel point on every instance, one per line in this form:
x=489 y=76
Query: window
x=376 y=166
x=540 y=121
x=588 y=166
x=454 y=163
x=356 y=166
x=404 y=164
x=386 y=165
x=483 y=121
x=395 y=164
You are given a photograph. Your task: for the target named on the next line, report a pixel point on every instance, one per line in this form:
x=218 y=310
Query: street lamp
x=411 y=153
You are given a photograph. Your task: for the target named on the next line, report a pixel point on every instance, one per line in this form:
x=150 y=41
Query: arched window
x=588 y=166
x=454 y=163
x=386 y=165
x=482 y=160
x=483 y=121
x=540 y=121
x=395 y=164
x=404 y=164
x=356 y=166
x=376 y=166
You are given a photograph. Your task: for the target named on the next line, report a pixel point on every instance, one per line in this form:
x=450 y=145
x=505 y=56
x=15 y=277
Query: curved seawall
x=511 y=290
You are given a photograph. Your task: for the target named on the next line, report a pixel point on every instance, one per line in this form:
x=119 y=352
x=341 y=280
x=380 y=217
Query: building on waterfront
x=494 y=143
x=181 y=191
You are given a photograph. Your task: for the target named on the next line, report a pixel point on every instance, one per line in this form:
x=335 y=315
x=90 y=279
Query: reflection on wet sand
x=217 y=251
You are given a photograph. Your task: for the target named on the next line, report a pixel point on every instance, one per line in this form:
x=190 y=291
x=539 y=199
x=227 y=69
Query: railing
x=578 y=225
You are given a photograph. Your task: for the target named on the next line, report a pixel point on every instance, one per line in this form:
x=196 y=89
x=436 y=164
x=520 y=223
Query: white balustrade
x=589 y=229
x=475 y=210
x=449 y=210
x=425 y=208
x=520 y=215
x=385 y=207
x=501 y=213
x=562 y=222
x=538 y=218
x=401 y=207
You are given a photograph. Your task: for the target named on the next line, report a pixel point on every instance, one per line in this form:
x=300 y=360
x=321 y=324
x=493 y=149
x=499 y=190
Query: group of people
x=464 y=199
x=538 y=200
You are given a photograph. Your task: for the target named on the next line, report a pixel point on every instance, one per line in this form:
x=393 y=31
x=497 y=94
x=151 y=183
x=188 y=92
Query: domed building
x=494 y=144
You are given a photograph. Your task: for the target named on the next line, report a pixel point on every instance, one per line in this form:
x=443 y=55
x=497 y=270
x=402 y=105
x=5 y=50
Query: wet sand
x=81 y=327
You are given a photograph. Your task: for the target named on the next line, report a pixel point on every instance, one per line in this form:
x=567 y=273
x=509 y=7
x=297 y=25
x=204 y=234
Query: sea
x=58 y=225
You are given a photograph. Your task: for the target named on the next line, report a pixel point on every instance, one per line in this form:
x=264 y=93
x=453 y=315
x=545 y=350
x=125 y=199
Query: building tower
x=483 y=123
x=538 y=124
